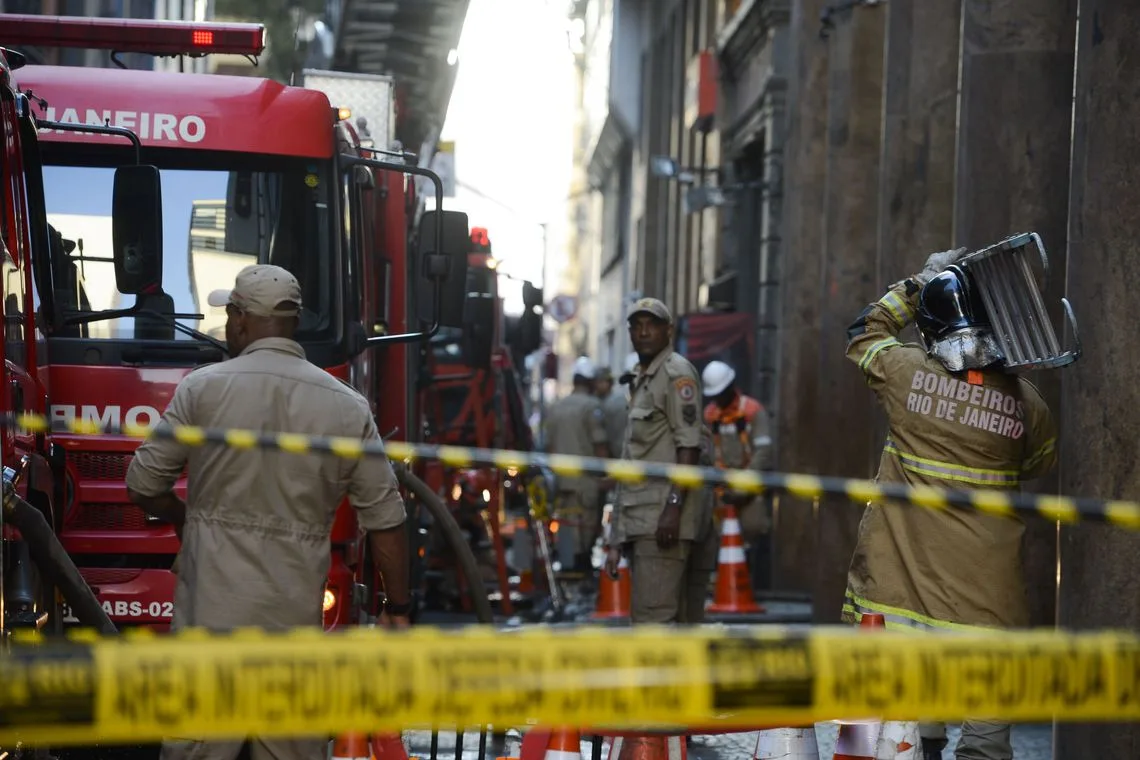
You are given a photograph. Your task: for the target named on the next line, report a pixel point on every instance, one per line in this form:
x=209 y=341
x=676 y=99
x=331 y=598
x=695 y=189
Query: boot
x=932 y=748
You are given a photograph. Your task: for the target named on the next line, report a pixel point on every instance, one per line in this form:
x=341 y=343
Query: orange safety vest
x=733 y=418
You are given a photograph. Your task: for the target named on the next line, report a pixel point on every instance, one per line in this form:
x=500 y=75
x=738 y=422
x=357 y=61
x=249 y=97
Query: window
x=220 y=213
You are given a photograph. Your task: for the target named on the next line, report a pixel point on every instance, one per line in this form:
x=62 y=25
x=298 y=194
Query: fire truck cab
x=157 y=188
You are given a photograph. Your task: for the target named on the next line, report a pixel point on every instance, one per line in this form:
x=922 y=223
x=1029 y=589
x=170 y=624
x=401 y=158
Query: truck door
x=358 y=277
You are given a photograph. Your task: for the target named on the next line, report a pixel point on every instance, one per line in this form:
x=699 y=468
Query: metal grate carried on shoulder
x=1003 y=273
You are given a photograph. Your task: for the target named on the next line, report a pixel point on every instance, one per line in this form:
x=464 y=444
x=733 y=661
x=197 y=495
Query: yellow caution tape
x=196 y=685
x=536 y=497
x=1005 y=503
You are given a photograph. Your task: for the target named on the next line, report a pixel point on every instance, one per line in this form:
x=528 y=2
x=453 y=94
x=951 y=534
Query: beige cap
x=264 y=290
x=651 y=306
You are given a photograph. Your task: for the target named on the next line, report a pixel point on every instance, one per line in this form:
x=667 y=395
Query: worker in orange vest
x=741 y=441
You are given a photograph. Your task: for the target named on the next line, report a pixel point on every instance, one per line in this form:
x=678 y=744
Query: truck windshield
x=220 y=212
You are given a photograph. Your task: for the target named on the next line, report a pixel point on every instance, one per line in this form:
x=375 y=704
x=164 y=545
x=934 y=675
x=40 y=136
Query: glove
x=936 y=263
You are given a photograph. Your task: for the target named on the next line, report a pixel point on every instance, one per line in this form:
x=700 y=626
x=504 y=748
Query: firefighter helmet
x=953 y=324
x=716 y=378
x=583 y=367
x=949 y=302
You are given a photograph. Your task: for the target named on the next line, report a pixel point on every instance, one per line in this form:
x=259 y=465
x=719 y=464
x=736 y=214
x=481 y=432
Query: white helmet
x=583 y=367
x=631 y=361
x=716 y=377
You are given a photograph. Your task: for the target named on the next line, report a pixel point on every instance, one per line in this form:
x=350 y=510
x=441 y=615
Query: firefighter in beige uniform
x=955 y=420
x=664 y=528
x=255 y=527
x=574 y=426
x=615 y=410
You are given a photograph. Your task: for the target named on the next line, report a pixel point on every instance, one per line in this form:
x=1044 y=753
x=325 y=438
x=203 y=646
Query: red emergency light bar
x=132 y=35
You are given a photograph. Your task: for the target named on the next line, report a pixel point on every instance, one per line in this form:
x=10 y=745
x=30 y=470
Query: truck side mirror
x=445 y=262
x=532 y=296
x=136 y=228
x=478 y=329
x=529 y=335
x=526 y=335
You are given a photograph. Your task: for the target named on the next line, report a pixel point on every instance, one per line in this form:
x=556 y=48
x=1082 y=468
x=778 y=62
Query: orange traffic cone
x=563 y=744
x=648 y=748
x=351 y=746
x=613 y=595
x=899 y=740
x=857 y=740
x=733 y=586
x=872 y=620
x=786 y=744
x=890 y=740
x=388 y=747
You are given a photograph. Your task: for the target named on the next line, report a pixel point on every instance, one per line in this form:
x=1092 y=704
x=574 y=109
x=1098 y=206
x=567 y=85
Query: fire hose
x=455 y=539
x=52 y=559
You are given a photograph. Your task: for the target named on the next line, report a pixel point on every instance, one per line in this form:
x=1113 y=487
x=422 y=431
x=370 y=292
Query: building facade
x=608 y=108
x=679 y=151
x=752 y=53
x=570 y=338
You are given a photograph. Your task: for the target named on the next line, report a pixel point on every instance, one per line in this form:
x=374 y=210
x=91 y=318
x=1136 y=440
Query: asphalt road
x=1030 y=742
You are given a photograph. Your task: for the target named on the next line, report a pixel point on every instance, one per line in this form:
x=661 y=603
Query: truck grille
x=91 y=466
x=103 y=467
x=1004 y=277
x=102 y=516
x=96 y=576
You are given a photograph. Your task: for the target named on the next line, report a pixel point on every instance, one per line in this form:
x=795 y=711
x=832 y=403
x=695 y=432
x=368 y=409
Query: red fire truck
x=224 y=172
x=34 y=568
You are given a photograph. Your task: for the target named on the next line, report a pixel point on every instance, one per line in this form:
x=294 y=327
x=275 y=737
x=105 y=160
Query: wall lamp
x=700 y=197
x=697 y=199
x=664 y=167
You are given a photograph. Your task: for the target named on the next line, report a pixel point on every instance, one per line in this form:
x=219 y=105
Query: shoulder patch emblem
x=686 y=389
x=689 y=413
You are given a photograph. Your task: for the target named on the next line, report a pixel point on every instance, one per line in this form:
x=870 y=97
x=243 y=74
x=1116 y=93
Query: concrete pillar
x=920 y=100
x=920 y=104
x=1099 y=565
x=797 y=339
x=1015 y=116
x=850 y=242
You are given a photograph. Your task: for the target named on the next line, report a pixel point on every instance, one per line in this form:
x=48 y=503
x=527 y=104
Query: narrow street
x=327 y=316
